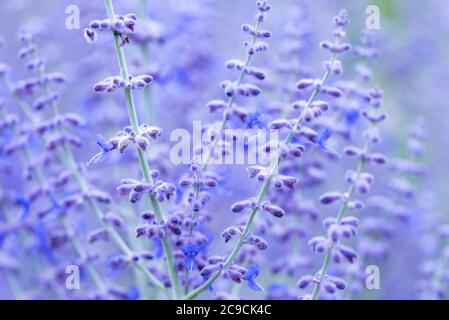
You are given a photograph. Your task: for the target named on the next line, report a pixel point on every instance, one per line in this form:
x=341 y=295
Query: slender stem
x=145 y=168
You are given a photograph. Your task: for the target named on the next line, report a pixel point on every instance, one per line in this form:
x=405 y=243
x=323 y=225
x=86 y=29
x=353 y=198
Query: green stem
x=145 y=168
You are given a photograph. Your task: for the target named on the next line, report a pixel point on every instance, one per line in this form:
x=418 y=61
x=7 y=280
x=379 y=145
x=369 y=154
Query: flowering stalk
x=318 y=87
x=42 y=182
x=341 y=212
x=132 y=115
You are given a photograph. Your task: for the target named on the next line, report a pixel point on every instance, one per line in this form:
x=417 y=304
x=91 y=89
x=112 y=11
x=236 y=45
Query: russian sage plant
x=165 y=161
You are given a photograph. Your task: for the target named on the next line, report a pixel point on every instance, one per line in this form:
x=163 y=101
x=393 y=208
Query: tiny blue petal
x=190 y=252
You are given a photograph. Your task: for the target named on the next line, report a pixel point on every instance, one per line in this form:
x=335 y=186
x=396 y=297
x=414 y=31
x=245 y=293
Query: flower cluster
x=344 y=227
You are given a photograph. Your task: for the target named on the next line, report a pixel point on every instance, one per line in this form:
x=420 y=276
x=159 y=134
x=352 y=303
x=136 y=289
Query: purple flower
x=190 y=253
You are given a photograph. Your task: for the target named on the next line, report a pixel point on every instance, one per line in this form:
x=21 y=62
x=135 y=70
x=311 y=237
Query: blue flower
x=251 y=273
x=190 y=252
x=105 y=147
x=321 y=142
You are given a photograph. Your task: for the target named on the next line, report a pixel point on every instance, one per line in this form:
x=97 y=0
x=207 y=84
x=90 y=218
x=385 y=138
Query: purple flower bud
x=97 y=235
x=90 y=35
x=341 y=19
x=296 y=150
x=353 y=151
x=374 y=117
x=353 y=221
x=348 y=253
x=264 y=34
x=299 y=105
x=332 y=91
x=113 y=219
x=377 y=158
x=234 y=64
x=255 y=72
x=148 y=215
x=343 y=47
x=339 y=283
x=142 y=143
x=125 y=189
x=210 y=269
x=273 y=209
x=141 y=230
x=279 y=124
x=216 y=105
x=289 y=182
x=362 y=186
x=253 y=171
x=240 y=206
x=327 y=45
x=322 y=105
x=234 y=275
x=355 y=205
x=329 y=287
x=101 y=86
x=319 y=244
